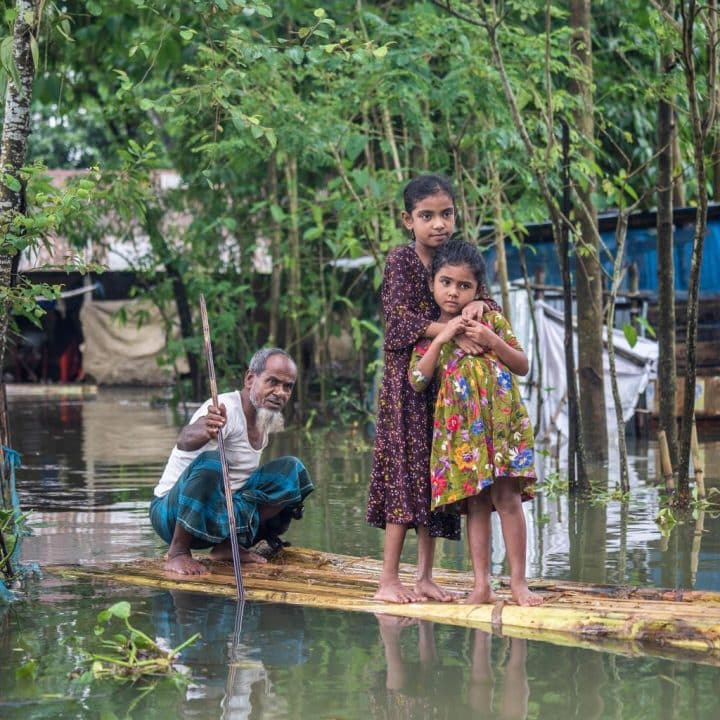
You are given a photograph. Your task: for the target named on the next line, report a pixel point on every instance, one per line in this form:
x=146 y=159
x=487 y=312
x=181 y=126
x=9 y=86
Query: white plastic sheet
x=636 y=367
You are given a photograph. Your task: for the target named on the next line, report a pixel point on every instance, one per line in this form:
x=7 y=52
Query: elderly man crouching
x=189 y=510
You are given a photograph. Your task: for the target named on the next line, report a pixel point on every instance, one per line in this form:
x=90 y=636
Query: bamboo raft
x=52 y=391
x=625 y=619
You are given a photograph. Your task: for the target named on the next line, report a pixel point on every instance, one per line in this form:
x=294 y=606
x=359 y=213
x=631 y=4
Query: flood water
x=89 y=468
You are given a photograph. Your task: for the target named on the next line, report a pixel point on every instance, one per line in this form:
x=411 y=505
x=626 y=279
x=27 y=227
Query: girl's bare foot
x=223 y=553
x=395 y=591
x=185 y=564
x=392 y=624
x=522 y=595
x=481 y=596
x=432 y=591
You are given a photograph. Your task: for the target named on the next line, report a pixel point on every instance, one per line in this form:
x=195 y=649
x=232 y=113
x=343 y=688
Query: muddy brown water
x=88 y=471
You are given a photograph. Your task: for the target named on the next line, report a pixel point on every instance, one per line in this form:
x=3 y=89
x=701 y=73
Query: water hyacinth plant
x=130 y=655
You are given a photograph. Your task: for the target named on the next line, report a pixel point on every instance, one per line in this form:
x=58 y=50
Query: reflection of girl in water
x=515 y=693
x=432 y=688
x=412 y=690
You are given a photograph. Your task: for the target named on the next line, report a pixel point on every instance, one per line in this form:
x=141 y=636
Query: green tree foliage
x=293 y=127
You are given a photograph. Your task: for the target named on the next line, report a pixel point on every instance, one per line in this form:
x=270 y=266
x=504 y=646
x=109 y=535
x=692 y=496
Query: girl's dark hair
x=459 y=252
x=424 y=186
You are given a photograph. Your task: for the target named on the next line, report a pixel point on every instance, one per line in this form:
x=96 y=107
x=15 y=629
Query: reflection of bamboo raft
x=51 y=390
x=629 y=620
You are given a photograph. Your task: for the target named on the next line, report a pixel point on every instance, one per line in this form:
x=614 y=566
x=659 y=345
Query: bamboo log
x=697 y=461
x=665 y=463
x=697 y=541
x=630 y=620
x=56 y=390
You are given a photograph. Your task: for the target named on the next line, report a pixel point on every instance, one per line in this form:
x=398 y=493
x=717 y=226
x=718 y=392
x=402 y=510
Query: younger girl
x=482 y=446
x=399 y=495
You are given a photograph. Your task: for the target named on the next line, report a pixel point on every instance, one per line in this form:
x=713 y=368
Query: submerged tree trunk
x=578 y=479
x=701 y=124
x=15 y=133
x=620 y=238
x=538 y=373
x=502 y=270
x=13 y=147
x=589 y=271
x=667 y=368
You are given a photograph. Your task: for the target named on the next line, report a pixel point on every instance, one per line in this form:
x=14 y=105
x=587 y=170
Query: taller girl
x=399 y=496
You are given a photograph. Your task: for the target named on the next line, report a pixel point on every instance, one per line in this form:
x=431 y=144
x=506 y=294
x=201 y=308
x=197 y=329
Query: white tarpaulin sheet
x=118 y=353
x=635 y=367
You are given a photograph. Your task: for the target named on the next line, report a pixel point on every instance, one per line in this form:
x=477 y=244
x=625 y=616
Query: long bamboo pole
x=223 y=458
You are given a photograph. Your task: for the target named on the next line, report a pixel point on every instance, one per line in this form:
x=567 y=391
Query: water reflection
x=89 y=468
x=88 y=472
x=231 y=661
x=307 y=663
x=496 y=686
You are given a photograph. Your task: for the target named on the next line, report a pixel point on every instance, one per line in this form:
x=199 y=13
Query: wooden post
x=697 y=461
x=695 y=551
x=634 y=292
x=557 y=451
x=666 y=469
x=539 y=282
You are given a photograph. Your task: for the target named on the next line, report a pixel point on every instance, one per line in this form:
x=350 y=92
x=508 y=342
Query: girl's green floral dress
x=481 y=429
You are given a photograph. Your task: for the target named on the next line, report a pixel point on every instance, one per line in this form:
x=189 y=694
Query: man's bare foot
x=481 y=596
x=430 y=590
x=522 y=595
x=223 y=553
x=185 y=564
x=395 y=591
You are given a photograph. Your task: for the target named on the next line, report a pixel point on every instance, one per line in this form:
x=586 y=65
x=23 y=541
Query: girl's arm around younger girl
x=422 y=366
x=491 y=338
x=421 y=372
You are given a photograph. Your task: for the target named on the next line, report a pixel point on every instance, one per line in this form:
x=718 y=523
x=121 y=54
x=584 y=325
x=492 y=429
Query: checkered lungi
x=197 y=500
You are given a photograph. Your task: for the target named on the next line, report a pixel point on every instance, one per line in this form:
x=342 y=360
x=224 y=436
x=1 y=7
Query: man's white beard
x=268 y=421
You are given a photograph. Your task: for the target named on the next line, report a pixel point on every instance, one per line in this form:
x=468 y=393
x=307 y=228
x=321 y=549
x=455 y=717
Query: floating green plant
x=13 y=525
x=666 y=521
x=130 y=655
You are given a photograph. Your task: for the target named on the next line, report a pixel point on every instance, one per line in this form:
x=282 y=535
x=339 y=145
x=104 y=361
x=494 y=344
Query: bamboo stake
x=695 y=550
x=665 y=463
x=223 y=458
x=697 y=461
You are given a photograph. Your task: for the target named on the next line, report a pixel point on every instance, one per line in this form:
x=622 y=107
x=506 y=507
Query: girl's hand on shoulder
x=469 y=341
x=481 y=334
x=468 y=346
x=475 y=310
x=452 y=328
